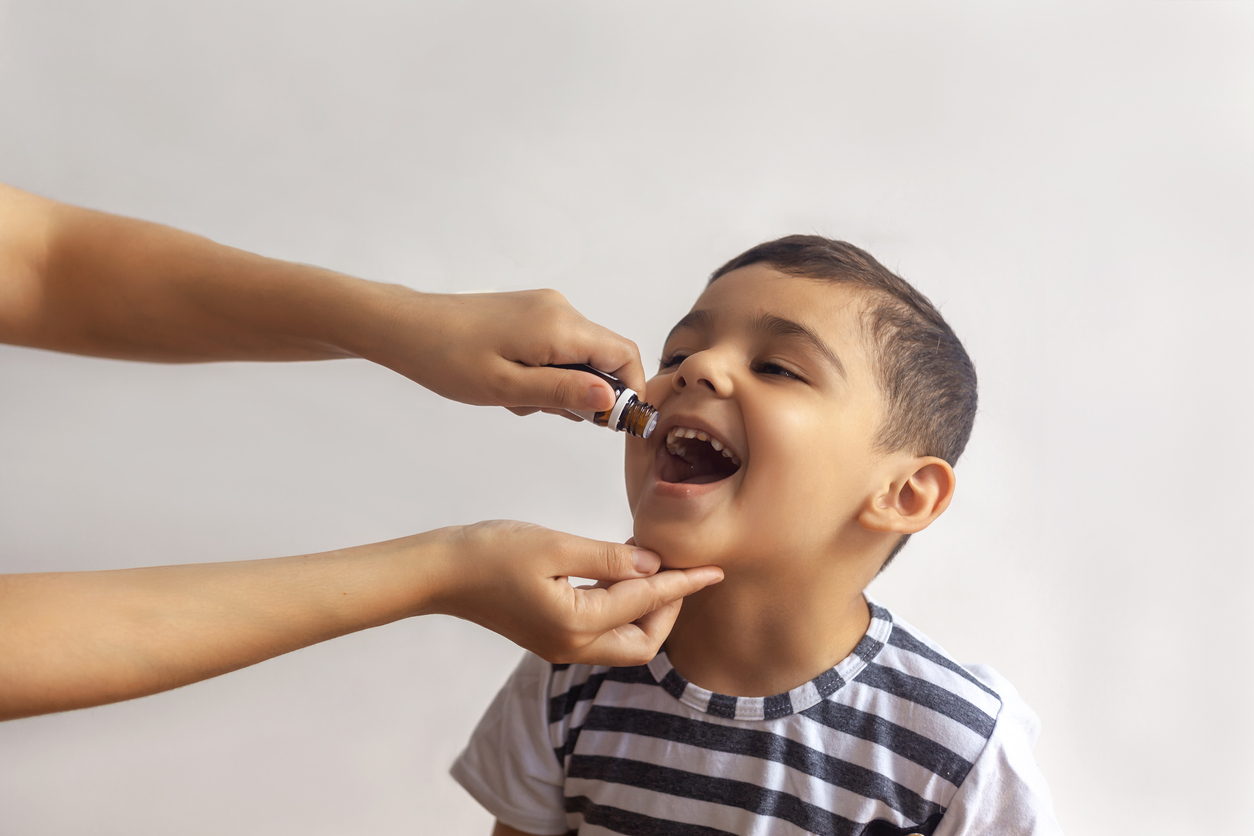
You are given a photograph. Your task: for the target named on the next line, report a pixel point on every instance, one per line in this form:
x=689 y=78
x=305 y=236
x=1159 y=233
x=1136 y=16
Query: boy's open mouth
x=695 y=457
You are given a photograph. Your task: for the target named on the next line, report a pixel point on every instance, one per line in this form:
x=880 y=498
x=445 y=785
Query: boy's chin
x=679 y=546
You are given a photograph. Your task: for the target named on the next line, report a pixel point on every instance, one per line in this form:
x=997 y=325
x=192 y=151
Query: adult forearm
x=77 y=639
x=93 y=283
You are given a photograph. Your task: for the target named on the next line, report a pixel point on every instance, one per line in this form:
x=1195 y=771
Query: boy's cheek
x=657 y=389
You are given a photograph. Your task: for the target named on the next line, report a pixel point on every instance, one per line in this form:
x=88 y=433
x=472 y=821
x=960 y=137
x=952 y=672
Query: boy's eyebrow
x=778 y=326
x=699 y=320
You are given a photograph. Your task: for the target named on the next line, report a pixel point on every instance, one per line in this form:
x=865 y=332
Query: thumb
x=544 y=387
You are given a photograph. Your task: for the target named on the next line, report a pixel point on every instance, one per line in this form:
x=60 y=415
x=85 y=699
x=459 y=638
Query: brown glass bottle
x=629 y=414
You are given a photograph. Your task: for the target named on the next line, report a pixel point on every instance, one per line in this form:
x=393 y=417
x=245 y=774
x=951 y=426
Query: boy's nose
x=703 y=370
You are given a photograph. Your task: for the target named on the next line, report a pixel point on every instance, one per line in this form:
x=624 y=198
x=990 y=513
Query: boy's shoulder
x=913 y=669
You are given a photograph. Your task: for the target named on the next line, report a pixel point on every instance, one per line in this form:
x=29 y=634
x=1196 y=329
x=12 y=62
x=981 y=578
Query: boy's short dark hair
x=924 y=373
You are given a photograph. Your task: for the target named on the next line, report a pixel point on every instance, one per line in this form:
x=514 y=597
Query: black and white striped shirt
x=895 y=739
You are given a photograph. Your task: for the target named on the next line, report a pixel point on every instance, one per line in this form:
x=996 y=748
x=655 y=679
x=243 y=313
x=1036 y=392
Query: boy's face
x=772 y=367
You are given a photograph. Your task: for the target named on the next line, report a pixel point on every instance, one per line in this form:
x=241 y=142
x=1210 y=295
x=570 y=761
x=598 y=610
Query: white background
x=1072 y=183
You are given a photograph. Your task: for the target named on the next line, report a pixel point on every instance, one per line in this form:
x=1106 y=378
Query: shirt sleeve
x=509 y=765
x=1005 y=791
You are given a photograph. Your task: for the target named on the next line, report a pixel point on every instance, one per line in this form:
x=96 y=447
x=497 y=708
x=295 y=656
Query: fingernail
x=646 y=563
x=598 y=399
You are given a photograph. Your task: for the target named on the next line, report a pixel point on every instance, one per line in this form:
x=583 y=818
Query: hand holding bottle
x=497 y=349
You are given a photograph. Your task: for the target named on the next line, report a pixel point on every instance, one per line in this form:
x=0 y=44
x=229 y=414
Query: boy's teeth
x=677 y=433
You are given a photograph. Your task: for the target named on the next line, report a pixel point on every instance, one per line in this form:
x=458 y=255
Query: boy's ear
x=918 y=493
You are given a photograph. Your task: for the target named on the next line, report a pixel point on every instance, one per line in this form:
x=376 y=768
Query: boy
x=812 y=405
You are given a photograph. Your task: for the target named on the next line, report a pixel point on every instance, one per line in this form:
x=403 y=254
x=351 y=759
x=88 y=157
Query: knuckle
x=566 y=390
x=614 y=564
x=550 y=301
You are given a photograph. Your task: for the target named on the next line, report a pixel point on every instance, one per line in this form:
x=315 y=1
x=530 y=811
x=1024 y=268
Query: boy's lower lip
x=684 y=490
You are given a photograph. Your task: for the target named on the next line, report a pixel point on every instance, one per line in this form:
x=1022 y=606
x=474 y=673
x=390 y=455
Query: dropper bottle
x=629 y=414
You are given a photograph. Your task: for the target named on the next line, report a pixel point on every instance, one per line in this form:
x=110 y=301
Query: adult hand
x=495 y=349
x=512 y=578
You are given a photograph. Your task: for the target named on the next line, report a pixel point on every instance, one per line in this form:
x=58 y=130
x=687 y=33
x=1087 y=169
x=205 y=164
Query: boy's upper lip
x=694 y=422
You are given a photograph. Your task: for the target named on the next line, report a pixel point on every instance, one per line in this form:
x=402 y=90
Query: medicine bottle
x=629 y=414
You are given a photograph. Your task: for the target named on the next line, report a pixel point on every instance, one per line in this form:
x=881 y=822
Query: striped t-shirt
x=896 y=739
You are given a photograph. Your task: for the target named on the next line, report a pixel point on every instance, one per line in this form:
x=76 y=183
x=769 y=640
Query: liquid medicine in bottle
x=629 y=414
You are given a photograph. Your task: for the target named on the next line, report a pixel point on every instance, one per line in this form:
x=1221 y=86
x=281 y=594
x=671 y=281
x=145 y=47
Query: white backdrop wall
x=1072 y=183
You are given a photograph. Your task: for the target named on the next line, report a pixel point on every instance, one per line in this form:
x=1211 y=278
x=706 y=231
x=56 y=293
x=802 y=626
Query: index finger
x=631 y=600
x=614 y=354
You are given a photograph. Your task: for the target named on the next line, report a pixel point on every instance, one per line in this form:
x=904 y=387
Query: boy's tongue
x=699 y=464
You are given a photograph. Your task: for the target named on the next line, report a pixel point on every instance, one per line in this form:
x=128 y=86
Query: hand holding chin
x=512 y=578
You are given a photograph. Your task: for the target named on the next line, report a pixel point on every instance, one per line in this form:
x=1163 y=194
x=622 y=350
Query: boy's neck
x=751 y=636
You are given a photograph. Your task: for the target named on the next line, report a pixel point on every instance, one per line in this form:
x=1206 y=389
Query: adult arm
x=91 y=283
x=76 y=639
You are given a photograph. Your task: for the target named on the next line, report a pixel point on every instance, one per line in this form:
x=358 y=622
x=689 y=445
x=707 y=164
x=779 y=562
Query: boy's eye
x=775 y=369
x=671 y=360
